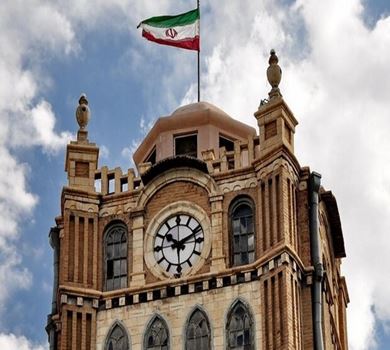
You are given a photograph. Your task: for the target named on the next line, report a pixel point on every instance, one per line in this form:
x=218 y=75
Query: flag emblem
x=171 y=32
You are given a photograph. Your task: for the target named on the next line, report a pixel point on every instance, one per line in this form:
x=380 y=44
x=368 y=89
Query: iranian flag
x=180 y=30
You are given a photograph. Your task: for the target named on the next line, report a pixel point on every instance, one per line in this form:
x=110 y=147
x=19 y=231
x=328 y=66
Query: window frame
x=235 y=204
x=228 y=139
x=111 y=227
x=112 y=329
x=154 y=319
x=180 y=136
x=237 y=304
x=152 y=154
x=205 y=317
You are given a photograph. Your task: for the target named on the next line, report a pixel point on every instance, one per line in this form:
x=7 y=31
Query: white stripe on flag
x=173 y=33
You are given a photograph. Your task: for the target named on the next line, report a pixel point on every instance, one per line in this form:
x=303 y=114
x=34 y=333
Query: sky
x=335 y=58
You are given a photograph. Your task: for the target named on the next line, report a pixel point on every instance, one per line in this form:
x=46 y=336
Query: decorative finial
x=274 y=75
x=82 y=117
x=82 y=112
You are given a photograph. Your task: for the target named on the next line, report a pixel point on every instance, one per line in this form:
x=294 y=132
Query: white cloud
x=14 y=342
x=127 y=152
x=26 y=41
x=13 y=193
x=36 y=128
x=144 y=127
x=104 y=152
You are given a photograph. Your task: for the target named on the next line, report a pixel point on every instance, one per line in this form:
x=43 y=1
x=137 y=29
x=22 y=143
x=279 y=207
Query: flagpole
x=198 y=55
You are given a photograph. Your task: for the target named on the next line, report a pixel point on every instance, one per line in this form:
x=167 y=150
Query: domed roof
x=202 y=113
x=199 y=107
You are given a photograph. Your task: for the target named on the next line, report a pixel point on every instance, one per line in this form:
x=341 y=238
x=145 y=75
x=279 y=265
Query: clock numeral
x=189 y=263
x=157 y=249
x=178 y=269
x=168 y=267
x=197 y=229
x=178 y=220
x=160 y=236
x=196 y=252
x=199 y=240
x=161 y=260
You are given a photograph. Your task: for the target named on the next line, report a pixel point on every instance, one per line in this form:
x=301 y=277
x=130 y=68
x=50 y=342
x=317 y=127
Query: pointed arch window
x=157 y=335
x=198 y=334
x=115 y=252
x=242 y=232
x=240 y=328
x=117 y=339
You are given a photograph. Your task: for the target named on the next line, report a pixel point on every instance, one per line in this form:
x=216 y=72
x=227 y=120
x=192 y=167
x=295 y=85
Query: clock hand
x=185 y=239
x=193 y=234
x=171 y=239
x=178 y=254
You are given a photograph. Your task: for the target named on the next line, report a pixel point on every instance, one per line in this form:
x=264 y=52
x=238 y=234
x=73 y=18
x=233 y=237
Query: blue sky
x=334 y=57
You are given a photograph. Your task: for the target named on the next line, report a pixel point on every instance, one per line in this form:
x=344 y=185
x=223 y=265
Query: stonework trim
x=180 y=207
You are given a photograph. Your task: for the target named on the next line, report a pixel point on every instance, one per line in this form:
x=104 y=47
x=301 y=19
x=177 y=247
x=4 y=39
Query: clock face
x=178 y=244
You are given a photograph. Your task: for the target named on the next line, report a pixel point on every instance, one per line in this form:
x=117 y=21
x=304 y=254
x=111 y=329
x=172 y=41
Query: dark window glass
x=157 y=336
x=117 y=339
x=151 y=157
x=225 y=142
x=198 y=332
x=240 y=328
x=116 y=257
x=242 y=232
x=186 y=145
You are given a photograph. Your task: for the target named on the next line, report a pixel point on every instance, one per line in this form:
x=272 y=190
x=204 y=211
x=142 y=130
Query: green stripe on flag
x=173 y=21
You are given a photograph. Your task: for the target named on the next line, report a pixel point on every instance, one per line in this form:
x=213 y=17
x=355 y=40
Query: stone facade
x=275 y=286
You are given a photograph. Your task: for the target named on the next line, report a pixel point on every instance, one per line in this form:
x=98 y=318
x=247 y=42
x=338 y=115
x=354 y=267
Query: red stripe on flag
x=189 y=44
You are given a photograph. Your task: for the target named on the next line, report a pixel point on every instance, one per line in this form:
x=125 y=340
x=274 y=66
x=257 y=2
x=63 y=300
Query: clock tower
x=219 y=239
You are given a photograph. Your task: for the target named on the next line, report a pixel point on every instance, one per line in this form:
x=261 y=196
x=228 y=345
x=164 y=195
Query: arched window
x=117 y=339
x=157 y=335
x=198 y=335
x=239 y=328
x=115 y=257
x=242 y=232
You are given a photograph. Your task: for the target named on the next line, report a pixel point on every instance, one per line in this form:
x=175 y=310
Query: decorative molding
x=182 y=174
x=239 y=185
x=212 y=282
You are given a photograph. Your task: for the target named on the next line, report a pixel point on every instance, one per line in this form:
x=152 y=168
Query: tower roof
x=193 y=116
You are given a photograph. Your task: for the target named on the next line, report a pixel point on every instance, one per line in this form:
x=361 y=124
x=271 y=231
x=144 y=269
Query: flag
x=180 y=30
